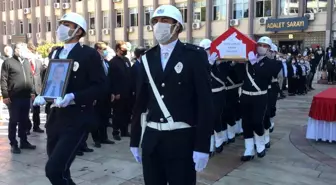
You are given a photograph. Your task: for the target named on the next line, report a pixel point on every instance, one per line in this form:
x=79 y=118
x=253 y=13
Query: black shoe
x=212 y=154
x=220 y=149
x=15 y=149
x=97 y=145
x=27 y=145
x=117 y=137
x=262 y=154
x=231 y=140
x=312 y=89
x=291 y=94
x=268 y=145
x=79 y=153
x=271 y=129
x=28 y=133
x=246 y=158
x=125 y=134
x=107 y=141
x=38 y=130
x=87 y=149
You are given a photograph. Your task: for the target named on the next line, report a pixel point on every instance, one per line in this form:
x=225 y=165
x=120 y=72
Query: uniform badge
x=160 y=11
x=75 y=66
x=178 y=68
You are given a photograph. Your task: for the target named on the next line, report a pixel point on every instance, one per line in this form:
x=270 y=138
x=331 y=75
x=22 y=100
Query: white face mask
x=63 y=33
x=162 y=32
x=262 y=51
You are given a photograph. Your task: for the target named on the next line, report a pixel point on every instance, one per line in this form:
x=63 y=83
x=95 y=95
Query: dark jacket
x=120 y=78
x=16 y=78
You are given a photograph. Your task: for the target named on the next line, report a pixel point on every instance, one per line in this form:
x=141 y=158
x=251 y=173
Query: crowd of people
x=184 y=103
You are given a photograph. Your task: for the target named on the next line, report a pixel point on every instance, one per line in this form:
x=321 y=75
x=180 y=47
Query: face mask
x=63 y=33
x=293 y=61
x=162 y=32
x=105 y=53
x=302 y=61
x=262 y=51
x=123 y=52
x=329 y=51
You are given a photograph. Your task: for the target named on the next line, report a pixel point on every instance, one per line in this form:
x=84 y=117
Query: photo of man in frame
x=56 y=80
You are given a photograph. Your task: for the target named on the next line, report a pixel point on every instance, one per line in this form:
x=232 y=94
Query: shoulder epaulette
x=192 y=46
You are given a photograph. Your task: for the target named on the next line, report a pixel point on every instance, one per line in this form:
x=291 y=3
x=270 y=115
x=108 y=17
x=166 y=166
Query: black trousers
x=103 y=112
x=167 y=157
x=219 y=104
x=292 y=85
x=331 y=76
x=18 y=115
x=271 y=106
x=63 y=141
x=302 y=85
x=311 y=78
x=36 y=119
x=121 y=116
x=231 y=109
x=253 y=113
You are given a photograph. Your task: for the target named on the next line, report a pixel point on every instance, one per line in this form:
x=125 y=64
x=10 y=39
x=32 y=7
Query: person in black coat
x=138 y=52
x=120 y=69
x=330 y=66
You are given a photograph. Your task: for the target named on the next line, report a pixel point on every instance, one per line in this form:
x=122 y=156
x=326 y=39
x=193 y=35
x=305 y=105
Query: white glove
x=65 y=101
x=200 y=160
x=252 y=57
x=39 y=100
x=212 y=58
x=136 y=154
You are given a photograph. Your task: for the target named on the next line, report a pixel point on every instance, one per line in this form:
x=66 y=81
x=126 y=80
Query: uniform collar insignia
x=160 y=11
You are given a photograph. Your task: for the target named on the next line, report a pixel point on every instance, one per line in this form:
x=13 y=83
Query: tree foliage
x=43 y=49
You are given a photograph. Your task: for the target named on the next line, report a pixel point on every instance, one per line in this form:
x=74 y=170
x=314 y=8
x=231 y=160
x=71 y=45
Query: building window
x=37 y=3
x=3 y=5
x=20 y=4
x=92 y=20
x=315 y=6
x=289 y=7
x=219 y=10
x=240 y=9
x=29 y=4
x=148 y=43
x=38 y=21
x=58 y=18
x=4 y=28
x=120 y=18
x=196 y=41
x=21 y=27
x=48 y=28
x=106 y=21
x=12 y=27
x=46 y=2
x=148 y=15
x=183 y=9
x=11 y=5
x=29 y=26
x=264 y=8
x=199 y=11
x=133 y=16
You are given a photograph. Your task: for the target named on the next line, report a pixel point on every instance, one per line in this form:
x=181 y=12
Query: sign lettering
x=296 y=23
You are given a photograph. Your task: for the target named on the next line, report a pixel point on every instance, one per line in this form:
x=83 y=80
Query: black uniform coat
x=120 y=69
x=86 y=84
x=187 y=94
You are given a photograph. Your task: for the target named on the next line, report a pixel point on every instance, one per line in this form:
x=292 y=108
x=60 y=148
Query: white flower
x=75 y=66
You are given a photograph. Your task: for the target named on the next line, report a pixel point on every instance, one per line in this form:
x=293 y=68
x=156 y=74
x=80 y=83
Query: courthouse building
x=288 y=22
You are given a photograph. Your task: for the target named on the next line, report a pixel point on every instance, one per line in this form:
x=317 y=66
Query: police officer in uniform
x=218 y=72
x=70 y=117
x=257 y=76
x=174 y=87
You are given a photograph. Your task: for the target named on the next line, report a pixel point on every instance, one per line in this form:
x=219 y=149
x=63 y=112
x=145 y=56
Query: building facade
x=129 y=20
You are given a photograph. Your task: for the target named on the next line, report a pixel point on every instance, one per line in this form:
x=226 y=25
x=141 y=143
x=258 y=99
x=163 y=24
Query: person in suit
x=72 y=116
x=17 y=90
x=122 y=90
x=138 y=52
x=54 y=86
x=175 y=143
x=36 y=69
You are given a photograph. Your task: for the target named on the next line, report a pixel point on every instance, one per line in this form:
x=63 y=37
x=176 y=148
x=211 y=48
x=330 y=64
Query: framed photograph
x=56 y=79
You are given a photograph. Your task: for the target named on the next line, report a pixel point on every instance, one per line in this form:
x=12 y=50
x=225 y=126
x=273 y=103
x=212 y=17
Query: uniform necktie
x=32 y=67
x=53 y=91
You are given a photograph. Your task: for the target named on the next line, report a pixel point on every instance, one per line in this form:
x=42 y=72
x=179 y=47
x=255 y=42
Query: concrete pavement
x=292 y=160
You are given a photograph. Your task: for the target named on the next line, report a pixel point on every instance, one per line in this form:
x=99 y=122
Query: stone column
x=126 y=25
x=251 y=20
x=190 y=20
x=43 y=20
x=302 y=7
x=1 y=31
x=275 y=8
x=8 y=22
x=172 y=2
x=73 y=5
x=16 y=19
x=208 y=18
x=155 y=6
x=228 y=12
x=112 y=18
x=86 y=17
x=34 y=22
x=329 y=34
x=25 y=19
x=53 y=21
x=98 y=20
x=141 y=23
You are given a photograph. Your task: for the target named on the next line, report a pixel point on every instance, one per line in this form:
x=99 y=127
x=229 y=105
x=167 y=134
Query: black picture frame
x=58 y=67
